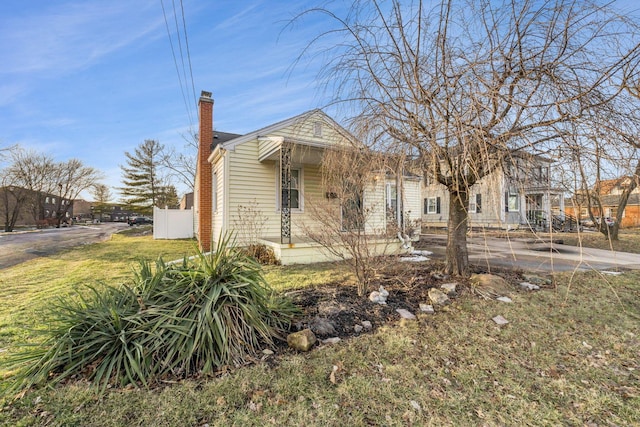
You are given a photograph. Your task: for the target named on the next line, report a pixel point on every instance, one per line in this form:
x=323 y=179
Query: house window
x=352 y=213
x=317 y=129
x=475 y=203
x=542 y=173
x=392 y=200
x=294 y=192
x=46 y=200
x=53 y=200
x=512 y=201
x=432 y=205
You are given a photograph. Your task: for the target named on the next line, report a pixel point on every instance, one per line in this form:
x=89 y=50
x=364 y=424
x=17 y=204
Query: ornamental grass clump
x=174 y=320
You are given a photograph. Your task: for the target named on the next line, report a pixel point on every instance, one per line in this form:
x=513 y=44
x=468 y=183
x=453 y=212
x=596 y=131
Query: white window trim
x=430 y=205
x=300 y=170
x=517 y=198
x=317 y=129
x=389 y=188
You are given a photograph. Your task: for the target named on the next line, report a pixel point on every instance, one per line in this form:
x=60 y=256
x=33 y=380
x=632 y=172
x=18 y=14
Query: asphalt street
x=18 y=247
x=522 y=253
x=535 y=255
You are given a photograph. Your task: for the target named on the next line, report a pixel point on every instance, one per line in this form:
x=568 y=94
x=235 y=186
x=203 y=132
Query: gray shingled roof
x=613 y=200
x=222 y=137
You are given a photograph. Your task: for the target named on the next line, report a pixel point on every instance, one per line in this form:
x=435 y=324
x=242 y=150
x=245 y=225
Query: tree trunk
x=457 y=254
x=610 y=232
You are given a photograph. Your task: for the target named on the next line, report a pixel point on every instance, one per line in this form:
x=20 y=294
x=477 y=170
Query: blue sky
x=92 y=79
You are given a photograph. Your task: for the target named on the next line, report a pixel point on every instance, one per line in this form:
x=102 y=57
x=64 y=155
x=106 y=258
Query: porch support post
x=285 y=192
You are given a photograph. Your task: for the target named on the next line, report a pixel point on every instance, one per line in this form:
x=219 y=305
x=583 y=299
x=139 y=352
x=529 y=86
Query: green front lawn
x=570 y=355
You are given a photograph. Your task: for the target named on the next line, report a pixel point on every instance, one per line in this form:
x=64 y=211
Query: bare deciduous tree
x=69 y=179
x=181 y=165
x=348 y=221
x=461 y=85
x=605 y=149
x=36 y=176
x=32 y=171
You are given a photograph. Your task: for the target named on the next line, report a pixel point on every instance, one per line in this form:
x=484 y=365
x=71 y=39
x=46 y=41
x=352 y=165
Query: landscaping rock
x=438 y=297
x=427 y=308
x=322 y=327
x=449 y=288
x=439 y=276
x=529 y=286
x=537 y=280
x=302 y=341
x=504 y=299
x=367 y=325
x=405 y=314
x=500 y=321
x=332 y=340
x=330 y=308
x=358 y=328
x=490 y=283
x=379 y=296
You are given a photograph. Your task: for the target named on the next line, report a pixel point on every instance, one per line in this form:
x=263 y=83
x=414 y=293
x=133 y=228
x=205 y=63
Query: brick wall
x=204 y=207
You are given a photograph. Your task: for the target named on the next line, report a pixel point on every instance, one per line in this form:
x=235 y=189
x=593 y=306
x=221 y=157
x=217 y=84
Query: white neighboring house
x=520 y=195
x=255 y=172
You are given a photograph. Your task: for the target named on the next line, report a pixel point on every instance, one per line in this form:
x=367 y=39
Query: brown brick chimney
x=205 y=190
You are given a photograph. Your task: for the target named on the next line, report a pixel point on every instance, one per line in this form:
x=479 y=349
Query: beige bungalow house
x=519 y=195
x=263 y=186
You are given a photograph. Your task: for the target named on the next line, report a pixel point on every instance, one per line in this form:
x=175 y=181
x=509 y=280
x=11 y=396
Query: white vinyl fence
x=172 y=223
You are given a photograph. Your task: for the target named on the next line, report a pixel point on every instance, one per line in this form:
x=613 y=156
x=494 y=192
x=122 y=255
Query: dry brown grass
x=569 y=356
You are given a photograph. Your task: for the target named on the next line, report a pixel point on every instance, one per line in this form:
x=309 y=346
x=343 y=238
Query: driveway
x=535 y=255
x=22 y=246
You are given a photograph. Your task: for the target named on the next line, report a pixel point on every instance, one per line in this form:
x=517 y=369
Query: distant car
x=587 y=223
x=607 y=220
x=139 y=220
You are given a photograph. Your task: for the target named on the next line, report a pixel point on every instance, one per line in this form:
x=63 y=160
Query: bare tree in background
x=32 y=171
x=605 y=148
x=464 y=84
x=13 y=197
x=181 y=166
x=35 y=176
x=69 y=179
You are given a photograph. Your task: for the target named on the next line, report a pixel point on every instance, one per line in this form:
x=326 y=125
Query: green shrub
x=175 y=320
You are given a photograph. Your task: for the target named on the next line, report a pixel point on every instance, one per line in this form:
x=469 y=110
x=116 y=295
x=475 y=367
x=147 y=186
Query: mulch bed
x=408 y=285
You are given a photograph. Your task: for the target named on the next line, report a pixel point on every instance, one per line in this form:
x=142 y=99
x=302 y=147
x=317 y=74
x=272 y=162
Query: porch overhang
x=302 y=151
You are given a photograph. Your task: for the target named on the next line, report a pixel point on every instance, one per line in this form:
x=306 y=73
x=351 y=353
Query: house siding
x=631 y=216
x=493 y=213
x=253 y=183
x=411 y=199
x=218 y=209
x=256 y=182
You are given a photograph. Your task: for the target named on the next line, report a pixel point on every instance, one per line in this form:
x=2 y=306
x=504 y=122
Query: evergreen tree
x=168 y=197
x=142 y=181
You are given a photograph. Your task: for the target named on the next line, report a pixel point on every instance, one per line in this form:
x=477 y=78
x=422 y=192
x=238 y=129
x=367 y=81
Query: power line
x=175 y=61
x=175 y=20
x=186 y=43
